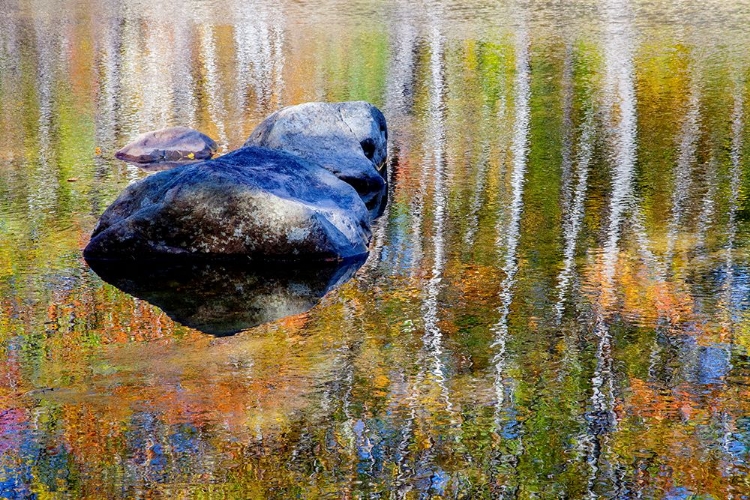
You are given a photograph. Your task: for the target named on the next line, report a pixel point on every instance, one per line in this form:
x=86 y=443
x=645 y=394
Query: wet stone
x=347 y=138
x=167 y=147
x=254 y=202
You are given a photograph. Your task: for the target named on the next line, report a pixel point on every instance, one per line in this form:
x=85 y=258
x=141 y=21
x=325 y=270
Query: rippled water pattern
x=556 y=302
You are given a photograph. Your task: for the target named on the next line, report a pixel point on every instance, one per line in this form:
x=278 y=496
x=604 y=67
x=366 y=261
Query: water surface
x=557 y=297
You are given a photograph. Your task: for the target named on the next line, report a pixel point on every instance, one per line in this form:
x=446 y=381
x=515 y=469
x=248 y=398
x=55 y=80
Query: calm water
x=557 y=298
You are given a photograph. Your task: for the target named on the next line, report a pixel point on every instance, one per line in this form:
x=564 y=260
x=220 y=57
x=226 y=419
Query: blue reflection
x=705 y=365
x=19 y=451
x=14 y=486
x=713 y=364
x=734 y=281
x=679 y=493
x=432 y=482
x=184 y=439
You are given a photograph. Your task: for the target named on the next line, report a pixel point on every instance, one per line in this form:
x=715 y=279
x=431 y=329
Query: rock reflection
x=225 y=297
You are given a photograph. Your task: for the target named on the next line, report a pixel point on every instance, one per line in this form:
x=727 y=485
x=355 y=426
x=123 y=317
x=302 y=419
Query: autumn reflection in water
x=556 y=303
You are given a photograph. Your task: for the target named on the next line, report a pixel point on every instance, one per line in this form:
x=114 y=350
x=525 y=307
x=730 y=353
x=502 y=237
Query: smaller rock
x=172 y=144
x=346 y=138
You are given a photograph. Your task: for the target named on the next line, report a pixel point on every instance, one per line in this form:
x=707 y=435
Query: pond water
x=557 y=298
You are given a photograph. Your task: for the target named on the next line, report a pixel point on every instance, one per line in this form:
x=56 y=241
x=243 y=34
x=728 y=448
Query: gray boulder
x=252 y=202
x=348 y=138
x=172 y=144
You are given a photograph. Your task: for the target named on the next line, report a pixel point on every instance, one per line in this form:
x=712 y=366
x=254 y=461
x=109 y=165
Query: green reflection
x=624 y=369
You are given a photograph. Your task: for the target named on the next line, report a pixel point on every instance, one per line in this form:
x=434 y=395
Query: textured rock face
x=348 y=138
x=254 y=202
x=171 y=144
x=227 y=296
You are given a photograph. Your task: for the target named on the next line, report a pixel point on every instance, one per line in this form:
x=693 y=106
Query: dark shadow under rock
x=224 y=297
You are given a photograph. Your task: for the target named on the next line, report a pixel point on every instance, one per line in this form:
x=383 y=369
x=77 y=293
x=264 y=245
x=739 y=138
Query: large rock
x=222 y=297
x=173 y=144
x=254 y=201
x=347 y=138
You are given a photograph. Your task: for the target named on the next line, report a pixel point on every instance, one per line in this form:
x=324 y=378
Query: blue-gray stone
x=252 y=202
x=347 y=138
x=172 y=144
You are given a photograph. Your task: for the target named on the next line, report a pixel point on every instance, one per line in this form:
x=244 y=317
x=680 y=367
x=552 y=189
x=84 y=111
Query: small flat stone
x=172 y=144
